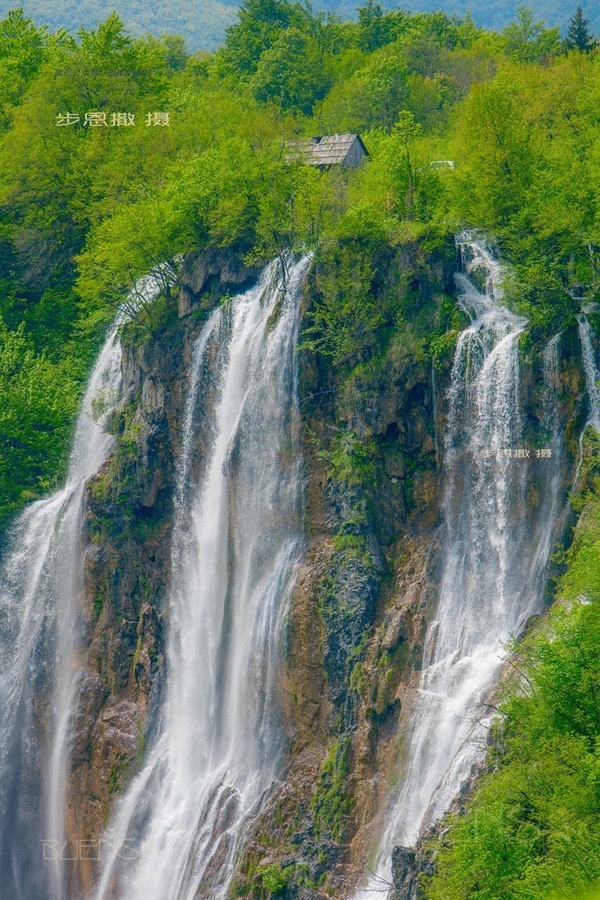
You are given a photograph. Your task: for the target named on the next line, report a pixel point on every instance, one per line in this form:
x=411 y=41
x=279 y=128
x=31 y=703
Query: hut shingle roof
x=322 y=151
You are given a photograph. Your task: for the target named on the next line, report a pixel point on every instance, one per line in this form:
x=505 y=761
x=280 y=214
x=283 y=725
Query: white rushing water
x=592 y=376
x=236 y=539
x=495 y=550
x=41 y=581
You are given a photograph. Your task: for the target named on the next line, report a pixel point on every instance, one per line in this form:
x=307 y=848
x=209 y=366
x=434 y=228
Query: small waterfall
x=41 y=582
x=592 y=376
x=495 y=549
x=236 y=540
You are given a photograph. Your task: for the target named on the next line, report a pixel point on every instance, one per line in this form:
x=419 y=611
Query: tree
x=528 y=40
x=403 y=172
x=375 y=27
x=293 y=72
x=499 y=157
x=105 y=43
x=578 y=36
x=39 y=401
x=23 y=48
x=259 y=24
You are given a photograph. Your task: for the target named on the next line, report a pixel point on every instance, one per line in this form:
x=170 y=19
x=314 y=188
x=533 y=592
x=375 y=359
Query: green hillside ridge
x=204 y=23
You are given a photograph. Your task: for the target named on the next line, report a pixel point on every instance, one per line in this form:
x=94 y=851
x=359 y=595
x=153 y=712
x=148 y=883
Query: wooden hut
x=345 y=150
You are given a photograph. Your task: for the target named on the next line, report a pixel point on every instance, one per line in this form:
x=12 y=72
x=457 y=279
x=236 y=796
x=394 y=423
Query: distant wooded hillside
x=203 y=22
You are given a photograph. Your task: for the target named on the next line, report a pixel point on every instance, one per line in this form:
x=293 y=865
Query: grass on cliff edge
x=532 y=828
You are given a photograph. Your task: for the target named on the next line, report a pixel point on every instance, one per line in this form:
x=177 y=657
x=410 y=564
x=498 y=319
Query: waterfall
x=592 y=376
x=237 y=535
x=41 y=582
x=495 y=548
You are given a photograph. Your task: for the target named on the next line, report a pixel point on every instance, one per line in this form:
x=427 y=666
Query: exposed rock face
x=126 y=572
x=209 y=273
x=363 y=598
x=407 y=864
x=359 y=611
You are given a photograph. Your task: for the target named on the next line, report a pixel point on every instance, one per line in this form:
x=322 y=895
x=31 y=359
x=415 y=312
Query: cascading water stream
x=495 y=550
x=235 y=543
x=592 y=376
x=41 y=581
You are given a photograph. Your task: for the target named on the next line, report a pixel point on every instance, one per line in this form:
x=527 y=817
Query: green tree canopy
x=578 y=35
x=528 y=40
x=294 y=72
x=259 y=24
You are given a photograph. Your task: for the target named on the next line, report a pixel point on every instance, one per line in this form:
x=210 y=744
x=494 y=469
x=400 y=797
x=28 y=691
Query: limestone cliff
x=364 y=593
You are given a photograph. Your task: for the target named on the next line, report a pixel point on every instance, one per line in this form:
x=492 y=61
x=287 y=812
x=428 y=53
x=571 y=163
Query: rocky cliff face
x=363 y=597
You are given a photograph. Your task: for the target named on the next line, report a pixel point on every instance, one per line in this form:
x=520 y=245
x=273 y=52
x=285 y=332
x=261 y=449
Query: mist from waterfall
x=495 y=549
x=41 y=585
x=236 y=541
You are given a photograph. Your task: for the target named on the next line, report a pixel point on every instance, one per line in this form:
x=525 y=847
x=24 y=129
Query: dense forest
x=204 y=24
x=119 y=155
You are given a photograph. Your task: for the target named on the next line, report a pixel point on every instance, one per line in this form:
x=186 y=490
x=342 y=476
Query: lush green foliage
x=40 y=397
x=532 y=829
x=56 y=184
x=527 y=141
x=331 y=801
